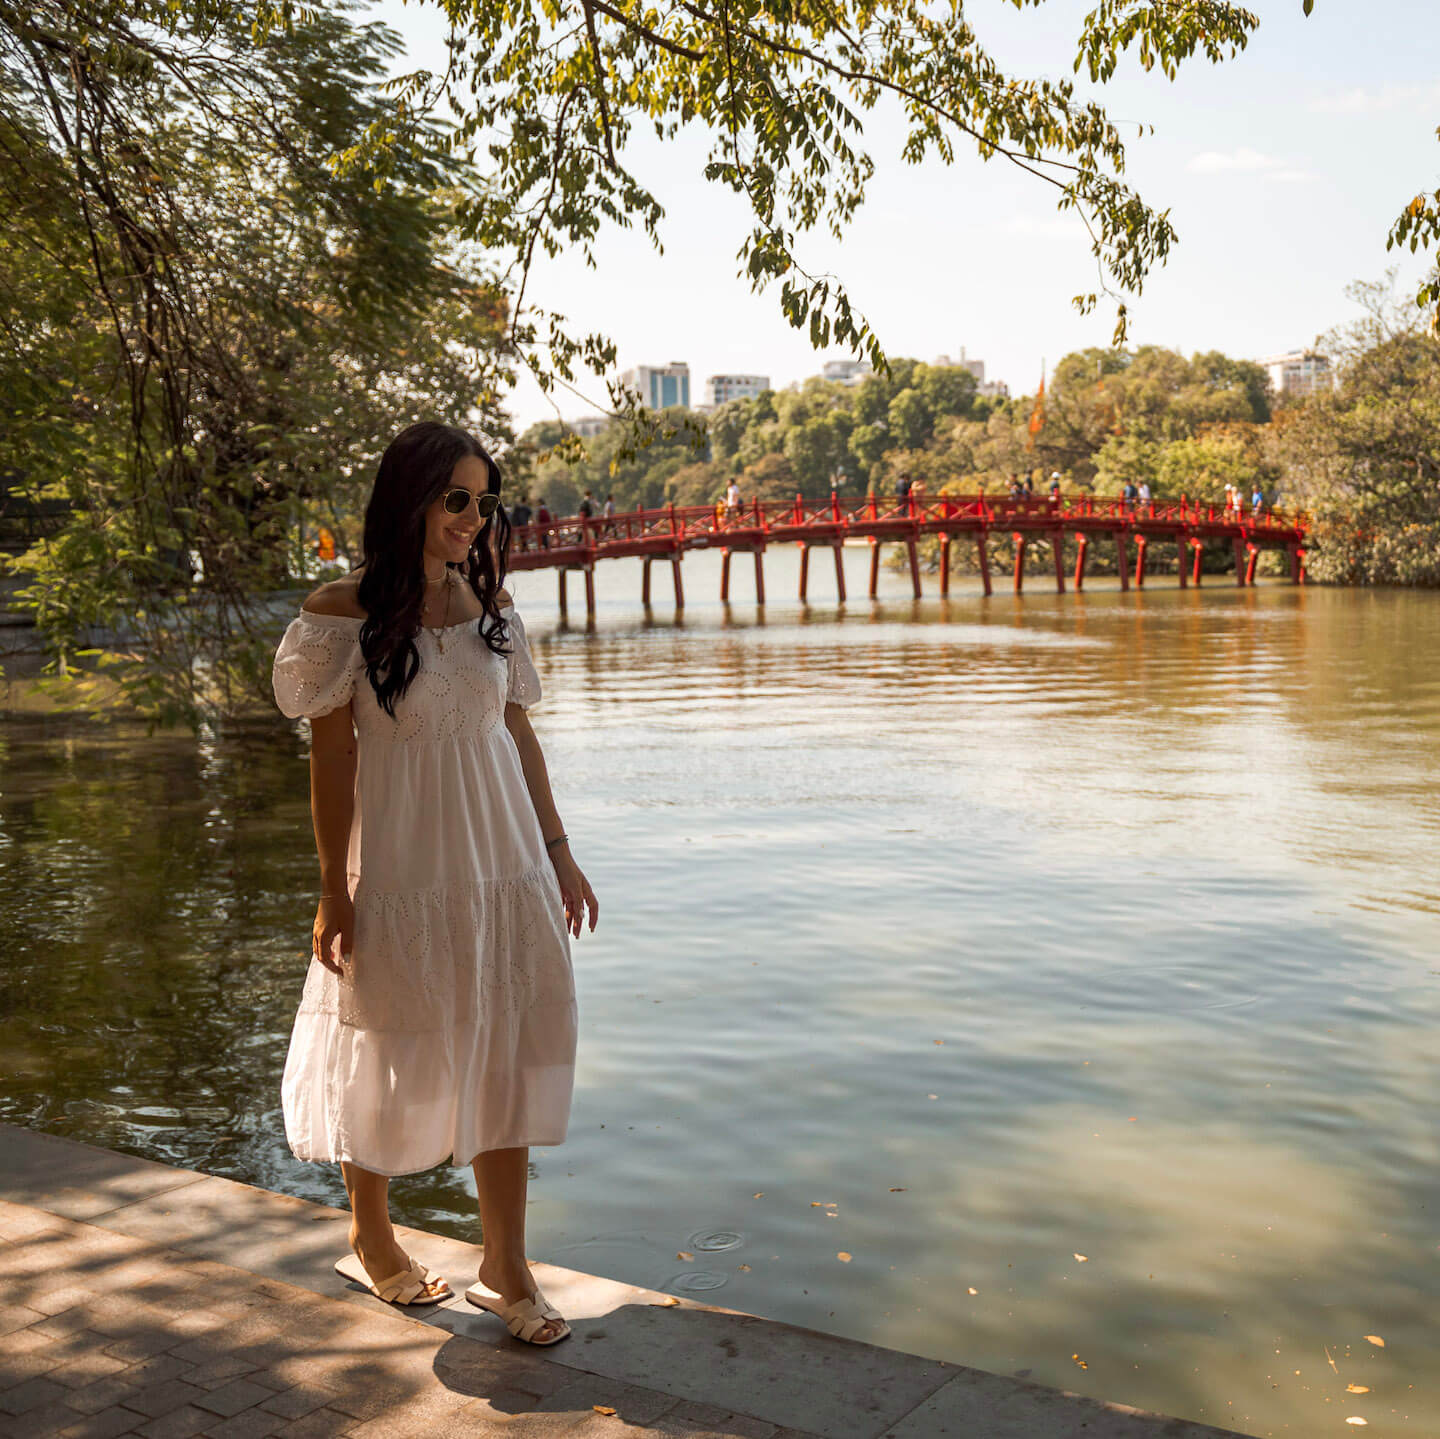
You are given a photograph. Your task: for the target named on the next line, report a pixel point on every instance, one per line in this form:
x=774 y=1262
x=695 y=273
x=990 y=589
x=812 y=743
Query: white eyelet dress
x=453 y=1030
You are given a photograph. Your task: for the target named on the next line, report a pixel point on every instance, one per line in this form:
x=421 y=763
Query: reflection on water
x=963 y=938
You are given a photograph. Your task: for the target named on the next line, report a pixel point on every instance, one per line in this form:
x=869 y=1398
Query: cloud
x=1244 y=161
x=1372 y=102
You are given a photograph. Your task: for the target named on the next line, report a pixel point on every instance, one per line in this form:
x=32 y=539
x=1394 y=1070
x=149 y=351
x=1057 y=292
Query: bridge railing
x=680 y=524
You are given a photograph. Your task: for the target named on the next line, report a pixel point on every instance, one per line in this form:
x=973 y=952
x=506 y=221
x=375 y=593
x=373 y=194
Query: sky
x=1282 y=169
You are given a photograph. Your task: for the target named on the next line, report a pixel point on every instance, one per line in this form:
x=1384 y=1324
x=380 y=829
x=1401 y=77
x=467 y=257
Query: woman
x=439 y=1016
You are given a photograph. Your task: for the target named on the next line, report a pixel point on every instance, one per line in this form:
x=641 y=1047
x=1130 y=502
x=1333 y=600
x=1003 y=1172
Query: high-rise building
x=846 y=372
x=989 y=389
x=1299 y=373
x=720 y=389
x=660 y=386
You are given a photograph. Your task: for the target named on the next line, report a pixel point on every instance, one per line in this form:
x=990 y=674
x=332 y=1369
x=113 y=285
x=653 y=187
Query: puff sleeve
x=522 y=683
x=315 y=665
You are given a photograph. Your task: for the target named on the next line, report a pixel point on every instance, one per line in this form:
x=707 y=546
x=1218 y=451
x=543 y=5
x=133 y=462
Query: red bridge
x=666 y=534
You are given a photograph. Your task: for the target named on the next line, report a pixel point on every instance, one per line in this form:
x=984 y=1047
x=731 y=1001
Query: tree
x=909 y=419
x=216 y=334
x=1366 y=461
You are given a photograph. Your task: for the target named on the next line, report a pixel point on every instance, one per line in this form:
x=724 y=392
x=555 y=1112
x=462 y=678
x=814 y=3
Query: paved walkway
x=140 y=1299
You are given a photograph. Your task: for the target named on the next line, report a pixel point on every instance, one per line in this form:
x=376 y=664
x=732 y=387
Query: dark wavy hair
x=415 y=470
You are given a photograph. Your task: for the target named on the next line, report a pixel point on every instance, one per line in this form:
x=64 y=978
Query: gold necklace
x=439 y=634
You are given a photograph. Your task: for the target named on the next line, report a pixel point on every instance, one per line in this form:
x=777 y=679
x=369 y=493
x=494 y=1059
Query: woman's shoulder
x=340 y=599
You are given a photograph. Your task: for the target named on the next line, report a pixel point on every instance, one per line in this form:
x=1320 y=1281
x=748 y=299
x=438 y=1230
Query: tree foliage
x=211 y=334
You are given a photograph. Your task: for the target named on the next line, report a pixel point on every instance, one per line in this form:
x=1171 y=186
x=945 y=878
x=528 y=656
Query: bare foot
x=383 y=1261
x=513 y=1282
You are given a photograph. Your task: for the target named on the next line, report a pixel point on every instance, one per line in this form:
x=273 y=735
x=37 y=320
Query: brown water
x=962 y=938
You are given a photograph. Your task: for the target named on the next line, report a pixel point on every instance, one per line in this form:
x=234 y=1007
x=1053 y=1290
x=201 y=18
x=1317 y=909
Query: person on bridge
x=732 y=500
x=587 y=506
x=520 y=513
x=1144 y=494
x=1016 y=490
x=544 y=519
x=1055 y=485
x=1128 y=494
x=1257 y=502
x=438 y=1022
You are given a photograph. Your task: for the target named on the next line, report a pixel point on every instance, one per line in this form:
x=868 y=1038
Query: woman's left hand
x=575 y=889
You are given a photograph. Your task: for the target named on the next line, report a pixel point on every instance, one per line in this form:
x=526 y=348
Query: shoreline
x=138 y=1291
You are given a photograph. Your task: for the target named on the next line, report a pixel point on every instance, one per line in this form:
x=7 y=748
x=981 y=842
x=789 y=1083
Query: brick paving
x=118 y=1318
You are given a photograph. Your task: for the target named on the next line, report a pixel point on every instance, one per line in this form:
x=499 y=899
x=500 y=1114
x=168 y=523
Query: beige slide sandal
x=406 y=1287
x=524 y=1318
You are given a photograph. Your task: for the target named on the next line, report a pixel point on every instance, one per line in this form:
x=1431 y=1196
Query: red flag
x=1037 y=415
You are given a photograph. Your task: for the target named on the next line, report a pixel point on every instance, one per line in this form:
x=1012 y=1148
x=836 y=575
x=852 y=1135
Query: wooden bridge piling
x=1082 y=543
x=759 y=574
x=840 y=571
x=725 y=575
x=1058 y=541
x=679 y=584
x=945 y=565
x=1239 y=545
x=1019 y=562
x=914 y=564
x=875 y=567
x=981 y=546
x=1140 y=543
x=1122 y=550
x=804 y=568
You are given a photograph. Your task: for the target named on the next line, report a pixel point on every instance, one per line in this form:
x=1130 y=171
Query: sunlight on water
x=962 y=937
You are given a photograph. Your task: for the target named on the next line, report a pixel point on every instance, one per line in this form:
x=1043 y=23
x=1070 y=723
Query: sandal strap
x=401 y=1288
x=525 y=1319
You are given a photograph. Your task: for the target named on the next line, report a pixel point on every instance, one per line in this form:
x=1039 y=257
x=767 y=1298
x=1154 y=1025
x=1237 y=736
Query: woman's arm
x=573 y=885
x=332 y=805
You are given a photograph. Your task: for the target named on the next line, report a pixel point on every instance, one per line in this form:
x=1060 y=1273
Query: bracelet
x=559 y=839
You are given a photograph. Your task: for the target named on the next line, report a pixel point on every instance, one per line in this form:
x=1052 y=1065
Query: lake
x=963 y=938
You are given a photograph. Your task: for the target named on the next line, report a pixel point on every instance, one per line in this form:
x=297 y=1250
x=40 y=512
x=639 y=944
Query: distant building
x=991 y=390
x=588 y=426
x=720 y=389
x=660 y=386
x=846 y=372
x=1300 y=373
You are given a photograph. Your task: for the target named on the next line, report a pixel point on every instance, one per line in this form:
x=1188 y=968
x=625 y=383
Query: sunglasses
x=457 y=501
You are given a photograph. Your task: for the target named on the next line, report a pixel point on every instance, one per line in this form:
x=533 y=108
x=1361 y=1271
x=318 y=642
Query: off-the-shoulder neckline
x=315 y=617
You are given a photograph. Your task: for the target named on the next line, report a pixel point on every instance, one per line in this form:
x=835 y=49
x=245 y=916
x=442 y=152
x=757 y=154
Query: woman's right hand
x=334 y=919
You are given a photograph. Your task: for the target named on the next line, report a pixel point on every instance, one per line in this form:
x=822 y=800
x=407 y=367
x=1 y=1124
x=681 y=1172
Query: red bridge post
x=725 y=575
x=1140 y=543
x=914 y=560
x=759 y=574
x=1199 y=546
x=804 y=567
x=1019 y=561
x=944 y=564
x=1253 y=551
x=1082 y=543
